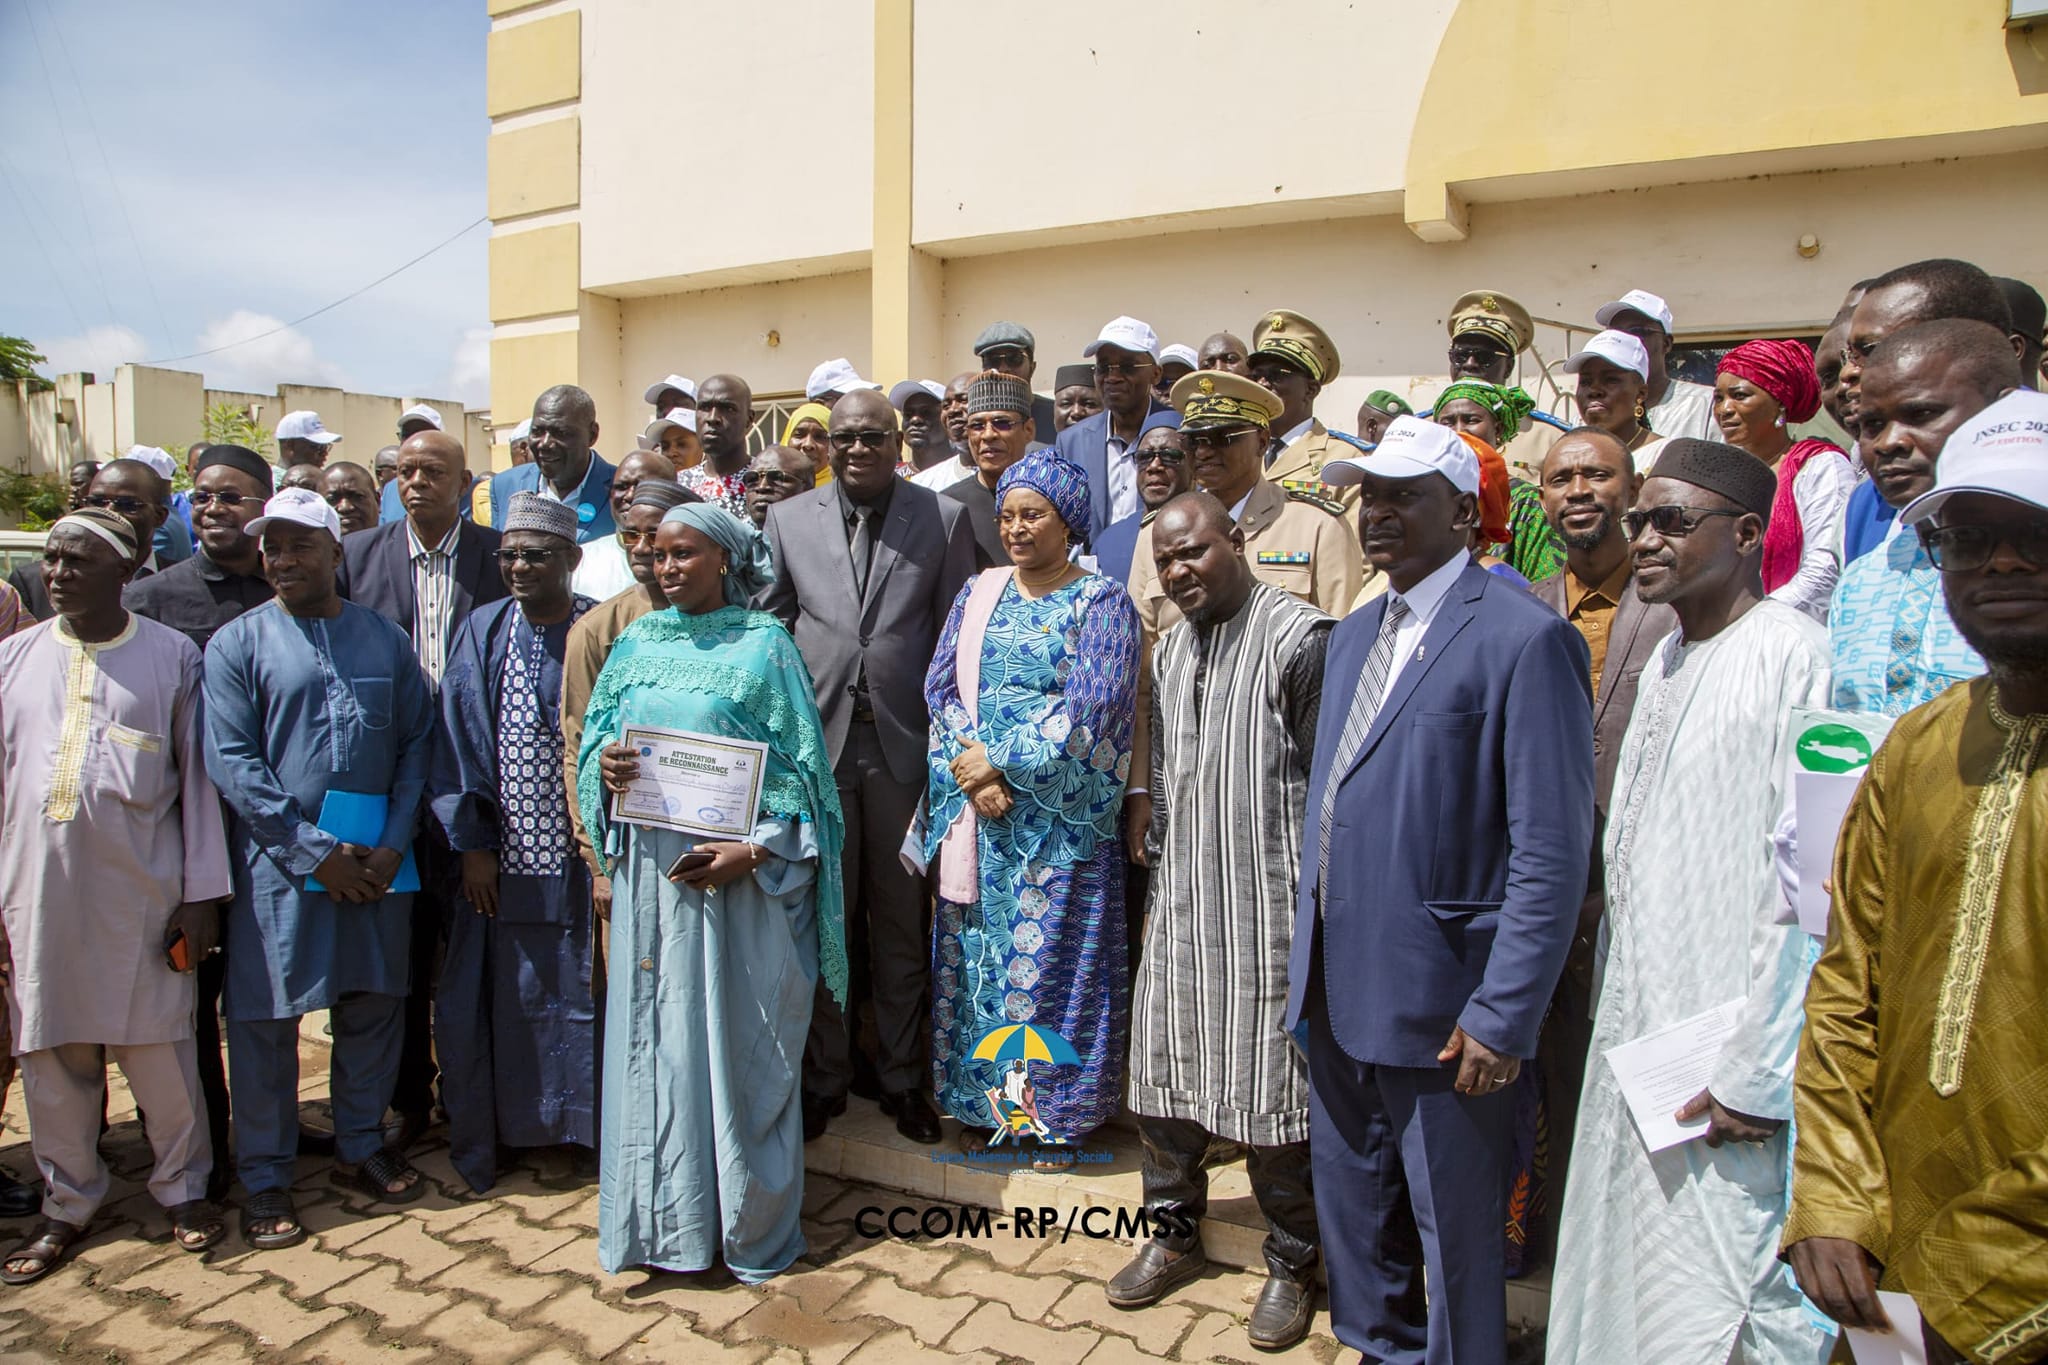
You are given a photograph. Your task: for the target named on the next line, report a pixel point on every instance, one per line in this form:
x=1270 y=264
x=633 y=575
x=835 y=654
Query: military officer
x=1294 y=358
x=1489 y=332
x=1293 y=538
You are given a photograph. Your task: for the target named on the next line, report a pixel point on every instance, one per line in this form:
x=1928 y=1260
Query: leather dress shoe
x=1152 y=1273
x=914 y=1115
x=818 y=1112
x=19 y=1199
x=1281 y=1316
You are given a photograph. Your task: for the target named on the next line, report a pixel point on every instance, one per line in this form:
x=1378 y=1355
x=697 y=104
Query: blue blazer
x=1086 y=443
x=1116 y=545
x=376 y=572
x=595 y=497
x=1462 y=833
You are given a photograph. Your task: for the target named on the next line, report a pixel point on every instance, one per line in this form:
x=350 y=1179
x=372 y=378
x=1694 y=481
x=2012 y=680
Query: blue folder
x=358 y=818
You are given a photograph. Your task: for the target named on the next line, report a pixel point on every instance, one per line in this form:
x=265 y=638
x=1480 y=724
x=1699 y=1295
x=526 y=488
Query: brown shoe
x=1152 y=1273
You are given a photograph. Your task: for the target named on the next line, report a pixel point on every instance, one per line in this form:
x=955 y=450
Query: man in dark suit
x=867 y=568
x=1450 y=822
x=425 y=573
x=1588 y=480
x=561 y=434
x=1126 y=357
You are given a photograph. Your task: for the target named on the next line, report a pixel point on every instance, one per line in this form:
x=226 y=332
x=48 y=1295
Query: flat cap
x=1006 y=334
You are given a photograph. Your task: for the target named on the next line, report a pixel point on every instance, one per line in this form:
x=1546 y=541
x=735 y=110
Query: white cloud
x=469 y=374
x=282 y=357
x=96 y=351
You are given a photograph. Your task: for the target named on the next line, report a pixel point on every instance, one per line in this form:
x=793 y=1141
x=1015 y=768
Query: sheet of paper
x=1822 y=801
x=1902 y=1345
x=707 y=785
x=1660 y=1071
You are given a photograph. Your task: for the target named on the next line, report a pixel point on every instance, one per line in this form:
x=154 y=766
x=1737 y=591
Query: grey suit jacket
x=924 y=554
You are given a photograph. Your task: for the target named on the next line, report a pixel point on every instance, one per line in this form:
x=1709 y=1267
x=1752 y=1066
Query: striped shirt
x=433 y=598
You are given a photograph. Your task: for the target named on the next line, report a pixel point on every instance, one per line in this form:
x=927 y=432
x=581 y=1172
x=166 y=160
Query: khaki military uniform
x=1299 y=468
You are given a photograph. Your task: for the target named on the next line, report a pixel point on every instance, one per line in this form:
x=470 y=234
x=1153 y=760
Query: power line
x=71 y=164
x=113 y=185
x=328 y=308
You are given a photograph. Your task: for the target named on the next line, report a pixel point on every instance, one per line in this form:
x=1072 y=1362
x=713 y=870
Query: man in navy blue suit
x=1450 y=823
x=561 y=434
x=1126 y=357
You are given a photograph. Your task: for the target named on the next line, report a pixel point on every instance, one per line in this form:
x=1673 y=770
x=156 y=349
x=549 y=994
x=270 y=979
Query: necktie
x=863 y=548
x=1365 y=708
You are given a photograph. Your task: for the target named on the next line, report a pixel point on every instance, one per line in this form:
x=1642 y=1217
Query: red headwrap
x=1782 y=369
x=1494 y=520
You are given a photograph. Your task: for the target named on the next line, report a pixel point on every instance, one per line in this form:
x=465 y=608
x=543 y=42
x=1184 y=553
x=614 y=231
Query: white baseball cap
x=300 y=507
x=680 y=417
x=1409 y=448
x=674 y=381
x=1618 y=348
x=419 y=412
x=835 y=376
x=1126 y=333
x=2002 y=451
x=156 y=458
x=520 y=432
x=1184 y=354
x=910 y=388
x=1639 y=300
x=305 y=425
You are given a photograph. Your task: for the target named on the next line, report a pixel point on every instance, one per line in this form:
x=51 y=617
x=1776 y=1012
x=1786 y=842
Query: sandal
x=45 y=1249
x=271 y=1207
x=378 y=1173
x=197 y=1225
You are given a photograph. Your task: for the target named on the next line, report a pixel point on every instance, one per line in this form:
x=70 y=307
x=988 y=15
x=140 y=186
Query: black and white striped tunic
x=1233 y=731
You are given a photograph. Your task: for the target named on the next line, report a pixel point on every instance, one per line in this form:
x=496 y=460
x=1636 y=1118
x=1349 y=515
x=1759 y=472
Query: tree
x=226 y=424
x=18 y=360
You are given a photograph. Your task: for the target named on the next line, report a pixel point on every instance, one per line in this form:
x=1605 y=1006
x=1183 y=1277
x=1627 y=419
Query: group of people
x=1052 y=820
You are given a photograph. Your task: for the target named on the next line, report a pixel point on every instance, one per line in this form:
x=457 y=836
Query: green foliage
x=226 y=424
x=34 y=500
x=18 y=360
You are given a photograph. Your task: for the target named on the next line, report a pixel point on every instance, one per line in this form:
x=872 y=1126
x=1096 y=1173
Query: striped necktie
x=1365 y=708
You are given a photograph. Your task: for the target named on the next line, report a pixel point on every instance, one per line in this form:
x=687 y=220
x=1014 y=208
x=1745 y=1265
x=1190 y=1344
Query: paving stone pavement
x=513 y=1276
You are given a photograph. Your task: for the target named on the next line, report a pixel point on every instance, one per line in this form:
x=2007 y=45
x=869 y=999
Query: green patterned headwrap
x=1510 y=406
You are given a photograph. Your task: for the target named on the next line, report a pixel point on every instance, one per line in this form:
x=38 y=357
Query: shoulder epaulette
x=1330 y=505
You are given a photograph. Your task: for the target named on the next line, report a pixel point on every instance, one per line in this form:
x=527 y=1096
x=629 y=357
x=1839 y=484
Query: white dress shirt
x=1424 y=601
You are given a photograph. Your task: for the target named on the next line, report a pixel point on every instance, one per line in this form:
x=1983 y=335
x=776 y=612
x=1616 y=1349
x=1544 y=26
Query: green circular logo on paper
x=1832 y=748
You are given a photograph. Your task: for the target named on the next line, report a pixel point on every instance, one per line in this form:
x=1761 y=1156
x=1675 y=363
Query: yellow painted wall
x=700 y=334
x=156 y=407
x=717 y=136
x=523 y=366
x=533 y=273
x=530 y=65
x=533 y=169
x=1579 y=96
x=1082 y=112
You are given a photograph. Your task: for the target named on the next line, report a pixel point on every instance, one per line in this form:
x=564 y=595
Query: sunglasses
x=1165 y=455
x=525 y=556
x=1672 y=521
x=753 y=478
x=633 y=540
x=227 y=497
x=1476 y=355
x=1216 y=440
x=1120 y=366
x=1002 y=426
x=127 y=507
x=1965 y=549
x=997 y=357
x=873 y=440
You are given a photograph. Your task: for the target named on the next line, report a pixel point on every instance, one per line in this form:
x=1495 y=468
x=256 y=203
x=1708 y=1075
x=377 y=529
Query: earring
x=1641 y=411
x=1781 y=419
x=724 y=569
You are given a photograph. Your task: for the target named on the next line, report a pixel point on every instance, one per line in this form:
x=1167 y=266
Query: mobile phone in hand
x=696 y=860
x=178 y=952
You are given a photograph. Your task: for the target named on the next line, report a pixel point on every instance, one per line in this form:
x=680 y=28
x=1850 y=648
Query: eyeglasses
x=1002 y=426
x=1216 y=440
x=127 y=507
x=1165 y=455
x=1672 y=520
x=873 y=440
x=633 y=540
x=1120 y=366
x=1965 y=549
x=227 y=497
x=525 y=556
x=751 y=478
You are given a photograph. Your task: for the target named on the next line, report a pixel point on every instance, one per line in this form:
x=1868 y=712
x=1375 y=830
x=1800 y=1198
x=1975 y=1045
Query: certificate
x=705 y=785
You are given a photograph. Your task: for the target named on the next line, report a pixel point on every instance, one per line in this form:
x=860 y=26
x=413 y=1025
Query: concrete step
x=863 y=1145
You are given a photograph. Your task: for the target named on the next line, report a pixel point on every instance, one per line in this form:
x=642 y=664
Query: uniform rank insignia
x=1283 y=556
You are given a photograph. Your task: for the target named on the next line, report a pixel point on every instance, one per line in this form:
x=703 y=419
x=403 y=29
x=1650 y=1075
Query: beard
x=1592 y=539
x=2018 y=649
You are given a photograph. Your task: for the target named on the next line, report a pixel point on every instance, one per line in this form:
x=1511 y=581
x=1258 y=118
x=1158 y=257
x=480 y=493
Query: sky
x=180 y=177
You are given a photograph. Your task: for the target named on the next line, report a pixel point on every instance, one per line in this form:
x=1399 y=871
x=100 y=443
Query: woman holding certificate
x=720 y=824
x=1031 y=694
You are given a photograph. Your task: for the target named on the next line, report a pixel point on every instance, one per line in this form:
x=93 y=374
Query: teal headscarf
x=1509 y=406
x=750 y=566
